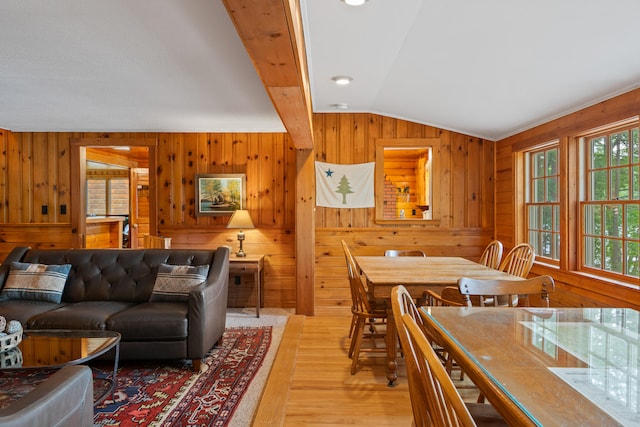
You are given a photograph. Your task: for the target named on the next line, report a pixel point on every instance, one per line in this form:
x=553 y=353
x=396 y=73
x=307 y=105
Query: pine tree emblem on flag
x=345 y=186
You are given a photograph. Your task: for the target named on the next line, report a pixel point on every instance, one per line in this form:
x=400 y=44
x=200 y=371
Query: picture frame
x=220 y=194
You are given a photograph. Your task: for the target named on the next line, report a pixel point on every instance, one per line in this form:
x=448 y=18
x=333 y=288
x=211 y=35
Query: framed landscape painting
x=220 y=194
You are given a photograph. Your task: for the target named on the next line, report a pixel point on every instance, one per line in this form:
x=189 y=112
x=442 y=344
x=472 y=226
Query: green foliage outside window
x=543 y=208
x=611 y=211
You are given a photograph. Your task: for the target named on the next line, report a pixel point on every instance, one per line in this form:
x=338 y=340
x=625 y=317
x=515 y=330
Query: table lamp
x=240 y=219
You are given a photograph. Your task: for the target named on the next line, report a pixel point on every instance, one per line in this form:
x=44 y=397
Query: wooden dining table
x=417 y=274
x=547 y=366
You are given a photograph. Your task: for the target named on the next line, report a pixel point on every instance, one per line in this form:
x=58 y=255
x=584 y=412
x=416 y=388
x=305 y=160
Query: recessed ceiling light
x=342 y=80
x=354 y=2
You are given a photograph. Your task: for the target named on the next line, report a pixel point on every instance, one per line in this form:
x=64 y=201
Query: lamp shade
x=240 y=219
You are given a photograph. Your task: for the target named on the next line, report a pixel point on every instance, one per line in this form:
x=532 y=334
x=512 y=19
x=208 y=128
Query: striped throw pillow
x=174 y=282
x=37 y=282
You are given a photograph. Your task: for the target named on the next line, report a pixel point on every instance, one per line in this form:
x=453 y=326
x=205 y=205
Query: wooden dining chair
x=519 y=260
x=492 y=255
x=351 y=271
x=514 y=292
x=367 y=314
x=407 y=252
x=402 y=303
x=435 y=401
x=450 y=296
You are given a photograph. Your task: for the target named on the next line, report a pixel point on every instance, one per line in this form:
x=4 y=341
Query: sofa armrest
x=64 y=399
x=208 y=307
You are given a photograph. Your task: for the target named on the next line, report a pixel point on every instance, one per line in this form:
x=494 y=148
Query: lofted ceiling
x=484 y=68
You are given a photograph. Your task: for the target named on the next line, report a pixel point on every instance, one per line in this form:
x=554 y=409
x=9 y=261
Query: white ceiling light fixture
x=340 y=106
x=342 y=80
x=355 y=2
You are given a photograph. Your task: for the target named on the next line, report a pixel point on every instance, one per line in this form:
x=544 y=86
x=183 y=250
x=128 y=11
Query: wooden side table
x=251 y=263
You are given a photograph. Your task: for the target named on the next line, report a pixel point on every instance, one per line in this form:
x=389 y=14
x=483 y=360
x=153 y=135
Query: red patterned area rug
x=165 y=394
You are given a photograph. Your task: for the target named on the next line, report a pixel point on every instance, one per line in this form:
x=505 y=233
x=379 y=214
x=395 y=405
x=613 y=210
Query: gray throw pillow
x=174 y=282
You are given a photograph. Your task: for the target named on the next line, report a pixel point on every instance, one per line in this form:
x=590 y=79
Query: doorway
x=116 y=216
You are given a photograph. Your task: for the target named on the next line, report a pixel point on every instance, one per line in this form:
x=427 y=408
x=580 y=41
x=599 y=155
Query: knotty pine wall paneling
x=37 y=171
x=267 y=160
x=466 y=202
x=32 y=178
x=34 y=172
x=142 y=192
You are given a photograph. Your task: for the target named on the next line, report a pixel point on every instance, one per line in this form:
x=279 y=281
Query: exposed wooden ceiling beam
x=271 y=31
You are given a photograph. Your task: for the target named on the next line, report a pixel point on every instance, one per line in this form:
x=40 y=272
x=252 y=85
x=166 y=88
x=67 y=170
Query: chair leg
x=373 y=332
x=357 y=342
x=448 y=364
x=352 y=327
x=359 y=325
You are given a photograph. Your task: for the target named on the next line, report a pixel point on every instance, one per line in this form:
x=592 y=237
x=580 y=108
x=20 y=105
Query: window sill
x=607 y=280
x=546 y=268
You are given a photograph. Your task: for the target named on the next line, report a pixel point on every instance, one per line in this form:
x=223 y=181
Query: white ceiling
x=485 y=68
x=127 y=65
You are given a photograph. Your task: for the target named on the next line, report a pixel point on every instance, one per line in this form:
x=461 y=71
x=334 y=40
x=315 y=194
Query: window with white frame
x=610 y=201
x=542 y=201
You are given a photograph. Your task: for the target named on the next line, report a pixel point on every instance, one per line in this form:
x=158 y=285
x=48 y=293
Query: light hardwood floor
x=310 y=383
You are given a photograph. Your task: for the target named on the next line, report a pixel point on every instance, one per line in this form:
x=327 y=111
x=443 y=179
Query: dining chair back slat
x=445 y=405
x=435 y=401
x=449 y=297
x=402 y=303
x=492 y=255
x=519 y=260
x=363 y=309
x=514 y=292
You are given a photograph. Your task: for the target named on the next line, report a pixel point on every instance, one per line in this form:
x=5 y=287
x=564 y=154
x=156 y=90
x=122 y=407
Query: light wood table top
x=546 y=366
x=417 y=274
x=420 y=273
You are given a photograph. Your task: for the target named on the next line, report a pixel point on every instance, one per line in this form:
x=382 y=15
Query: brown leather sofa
x=111 y=289
x=64 y=399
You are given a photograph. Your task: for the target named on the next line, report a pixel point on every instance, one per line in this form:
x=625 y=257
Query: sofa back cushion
x=115 y=274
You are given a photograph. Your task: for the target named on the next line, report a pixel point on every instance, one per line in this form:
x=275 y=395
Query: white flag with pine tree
x=345 y=186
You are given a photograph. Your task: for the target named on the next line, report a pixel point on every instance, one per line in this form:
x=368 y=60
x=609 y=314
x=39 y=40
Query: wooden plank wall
x=401 y=170
x=103 y=234
x=37 y=236
x=572 y=288
x=466 y=225
x=36 y=171
x=269 y=162
x=141 y=177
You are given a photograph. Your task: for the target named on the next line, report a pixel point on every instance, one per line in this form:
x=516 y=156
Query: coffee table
x=56 y=348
